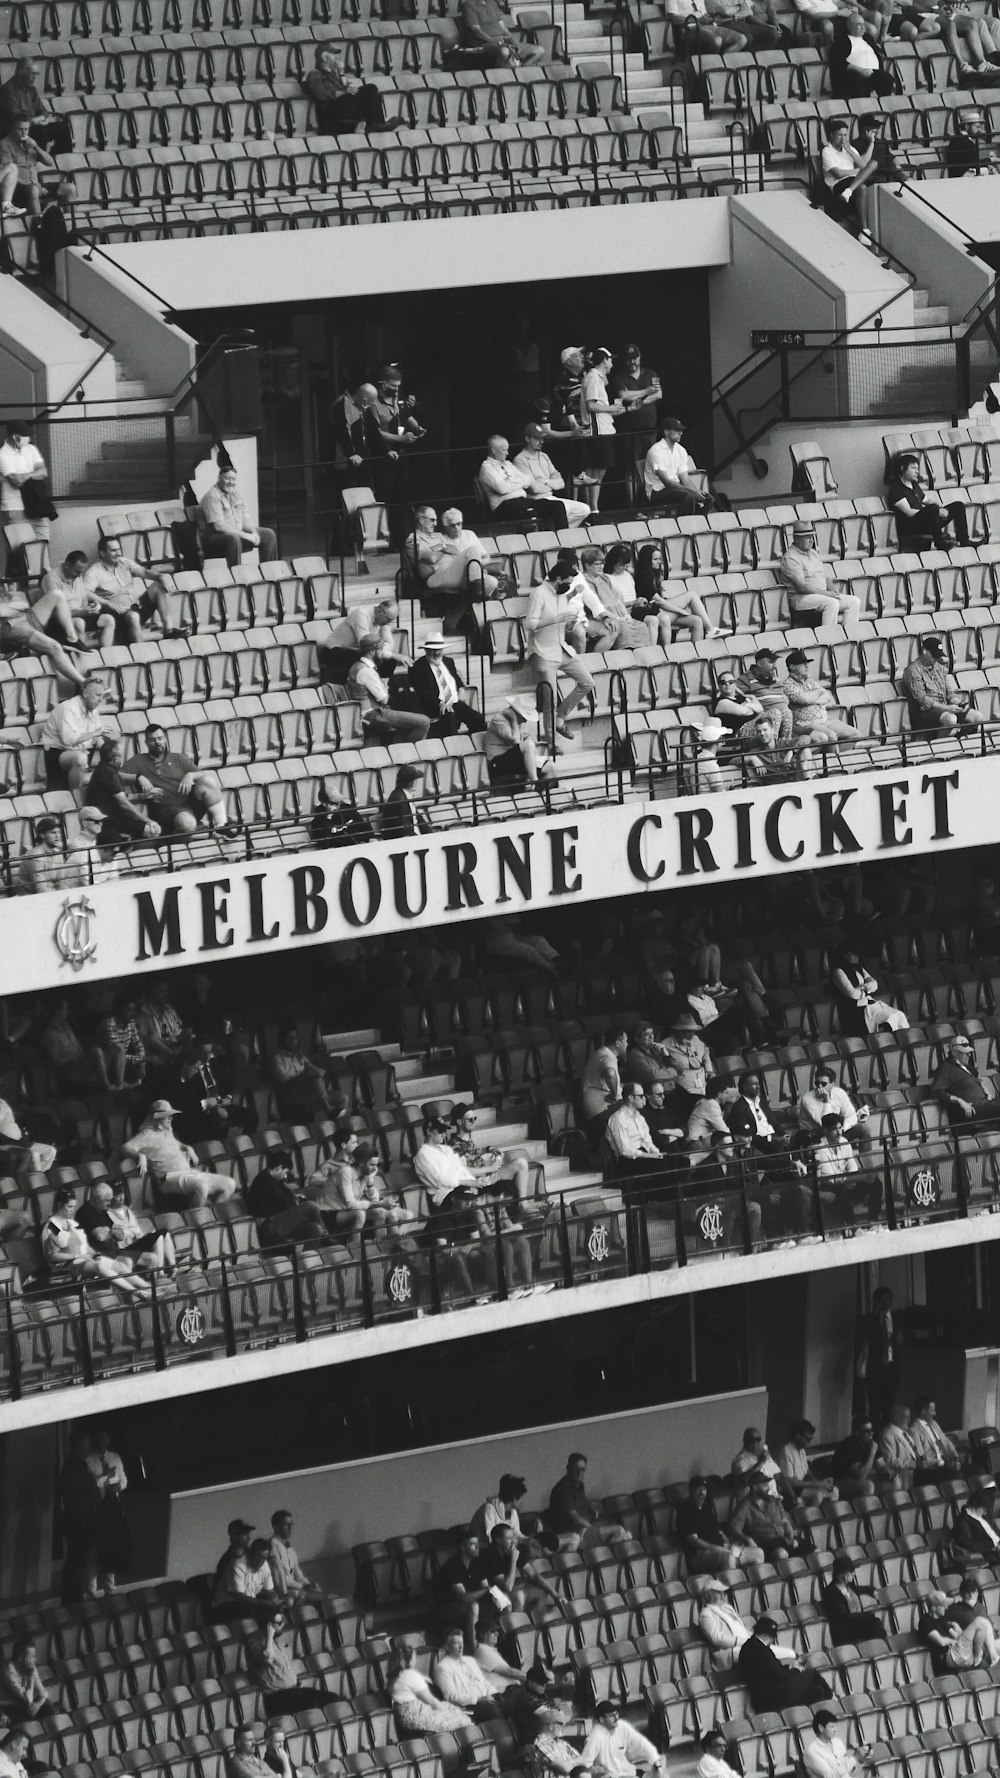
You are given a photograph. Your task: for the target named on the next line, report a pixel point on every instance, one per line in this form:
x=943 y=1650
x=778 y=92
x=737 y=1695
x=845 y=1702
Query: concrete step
x=421 y=1087
x=339 y=1043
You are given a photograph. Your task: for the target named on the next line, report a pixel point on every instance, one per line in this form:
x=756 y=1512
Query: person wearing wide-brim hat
x=438 y=691
x=511 y=748
x=812 y=596
x=690 y=1059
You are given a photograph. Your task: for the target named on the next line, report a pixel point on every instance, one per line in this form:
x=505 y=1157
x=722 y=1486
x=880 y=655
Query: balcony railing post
x=890 y=1199
x=499 y=1257
x=435 y=1280
x=298 y=1311
x=227 y=1313
x=564 y=1252
x=86 y=1356
x=367 y=1296
x=15 y=1351
x=159 y=1356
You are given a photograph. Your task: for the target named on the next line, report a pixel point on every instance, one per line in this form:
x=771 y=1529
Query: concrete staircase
x=131 y=461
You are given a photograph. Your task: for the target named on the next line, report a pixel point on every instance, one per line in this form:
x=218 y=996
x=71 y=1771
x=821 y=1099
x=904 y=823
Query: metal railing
x=664 y=1219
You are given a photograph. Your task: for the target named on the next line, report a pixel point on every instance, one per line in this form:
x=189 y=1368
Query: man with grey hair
x=513 y=495
x=342 y=645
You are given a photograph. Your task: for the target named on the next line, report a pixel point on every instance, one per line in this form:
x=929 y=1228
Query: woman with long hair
x=673 y=602
x=418 y=1709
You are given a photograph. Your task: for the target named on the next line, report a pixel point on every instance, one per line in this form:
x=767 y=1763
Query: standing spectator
x=638 y=389
x=72 y=732
x=543 y=478
x=600 y=1082
x=792 y=1459
x=669 y=471
x=803 y=574
x=617 y=1750
x=133 y=595
x=181 y=794
x=509 y=745
x=936 y=1454
x=707 y=1549
x=575 y=1519
x=877 y=1363
x=227 y=528
x=272 y=1668
x=437 y=688
x=417 y=1709
x=20 y=161
x=300 y=1085
x=369 y=689
x=23 y=1697
x=108 y=790
x=339 y=101
x=279 y=1208
x=932 y=693
x=922 y=521
x=549 y=654
x=80 y=1499
x=598 y=414
x=114 y=1540
x=511 y=494
x=21 y=102
x=839 y=1602
x=171 y=1167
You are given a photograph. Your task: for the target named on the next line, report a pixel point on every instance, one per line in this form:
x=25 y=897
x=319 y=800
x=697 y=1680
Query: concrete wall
x=933 y=250
x=28 y=1468
x=408 y=1491
x=42 y=358
x=151 y=347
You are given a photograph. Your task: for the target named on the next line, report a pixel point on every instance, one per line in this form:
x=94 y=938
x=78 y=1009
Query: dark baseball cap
x=236 y=1527
x=932 y=645
x=767 y=1624
x=797 y=658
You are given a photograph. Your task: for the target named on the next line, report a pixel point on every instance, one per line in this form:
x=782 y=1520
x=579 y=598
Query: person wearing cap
x=922 y=520
x=967 y=149
x=772 y=1685
x=932 y=693
x=807 y=583
x=827 y=1755
x=544 y=478
x=957 y=1086
x=437 y=688
x=811 y=704
x=707 y=1549
x=669 y=470
x=48 y=864
x=614 y=1749
x=378 y=717
x=638 y=388
x=170 y=1166
x=97 y=863
x=509 y=746
x=511 y=494
x=841 y=1598
x=401 y=818
x=548 y=654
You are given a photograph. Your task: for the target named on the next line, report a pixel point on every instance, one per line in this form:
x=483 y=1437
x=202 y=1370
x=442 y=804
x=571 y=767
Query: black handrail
x=908 y=186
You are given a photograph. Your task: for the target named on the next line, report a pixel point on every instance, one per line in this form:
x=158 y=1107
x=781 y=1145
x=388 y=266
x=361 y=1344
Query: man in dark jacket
x=437 y=687
x=281 y=1212
x=401 y=818
x=21 y=102
x=772 y=1686
x=80 y=1499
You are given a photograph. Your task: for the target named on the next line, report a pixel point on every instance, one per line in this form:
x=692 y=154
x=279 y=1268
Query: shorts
x=507 y=768
x=143 y=609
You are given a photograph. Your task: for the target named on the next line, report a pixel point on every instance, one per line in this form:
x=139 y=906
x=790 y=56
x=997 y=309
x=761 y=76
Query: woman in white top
x=845 y=175
x=618 y=573
x=598 y=415
x=418 y=1709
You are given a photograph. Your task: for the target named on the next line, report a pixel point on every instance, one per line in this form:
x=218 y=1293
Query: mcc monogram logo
x=710 y=1226
x=400 y=1284
x=74 y=936
x=925 y=1189
x=191 y=1325
x=598 y=1245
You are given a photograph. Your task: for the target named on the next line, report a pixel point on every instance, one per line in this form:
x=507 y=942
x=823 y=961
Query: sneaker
x=11 y=210
x=561 y=729
x=713 y=635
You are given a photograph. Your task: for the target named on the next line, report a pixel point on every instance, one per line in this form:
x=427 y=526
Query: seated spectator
x=120 y=1038
x=76 y=1067
x=287 y=1577
x=575 y=1519
x=385 y=1212
x=23 y=1697
x=833 y=1157
x=969 y=1612
x=108 y=791
x=510 y=942
x=772 y=1685
x=208 y=1113
x=614 y=1749
x=962 y=30
x=811 y=704
x=340 y=102
x=839 y=1601
x=857 y=70
x=534 y=1716
x=827 y=1756
x=762 y=1518
x=676 y=605
x=792 y=1459
x=751 y=1126
x=333 y=1187
x=629 y=1138
x=513 y=495
x=600 y=1081
x=13 y=1754
x=808 y=587
x=501 y=1509
x=860 y=1007
x=666 y=1124
x=17 y=1150
x=72 y=732
x=226 y=526
x=401 y=817
x=975 y=1541
x=245 y=1761
x=957 y=1086
x=510 y=748
x=163 y=1031
x=714 y=1762
x=300 y=1084
x=936 y=1454
x=342 y=644
x=485 y=29
x=244 y=1584
x=437 y=688
x=21 y=159
x=592 y=623
x=170 y=1165
x=98 y=862
x=181 y=794
x=272 y=1668
x=954 y=1649
x=846 y=170
x=669 y=471
x=896 y=1447
x=922 y=521
x=933 y=696
x=824 y=1097
x=622 y=600
x=544 y=479
x=967 y=149
x=72 y=613
x=452 y=559
x=704 y=34
x=707 y=1120
x=707 y=1549
x=369 y=689
x=647 y=1060
x=764 y=734
x=417 y=1709
x=461 y=1680
x=491 y=1660
x=115 y=1232
x=492 y=1167
x=461 y=1590
x=723 y=1628
x=24 y=632
x=67 y=1252
x=132 y=594
x=21 y=102
x=280 y=1209
x=47 y=864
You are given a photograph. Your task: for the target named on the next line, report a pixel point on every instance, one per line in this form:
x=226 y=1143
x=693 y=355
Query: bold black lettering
x=517 y=863
x=308 y=901
x=696 y=854
x=744 y=840
x=633 y=851
x=215 y=915
x=940 y=786
x=562 y=844
x=159 y=933
x=460 y=862
x=402 y=900
x=255 y=886
x=772 y=830
x=892 y=812
x=834 y=833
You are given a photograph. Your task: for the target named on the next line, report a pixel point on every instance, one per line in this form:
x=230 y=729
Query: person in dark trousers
x=80 y=1501
x=840 y=1601
x=279 y=1208
x=878 y=1356
x=771 y=1685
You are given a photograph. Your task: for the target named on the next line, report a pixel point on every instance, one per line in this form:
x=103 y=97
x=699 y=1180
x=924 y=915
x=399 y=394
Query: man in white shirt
x=806 y=580
x=227 y=529
x=13 y=1753
x=755 y=1460
x=459 y=1677
x=627 y=1133
x=370 y=690
x=828 y=1756
x=511 y=494
x=614 y=1749
x=72 y=732
x=825 y=1096
x=544 y=478
x=549 y=654
x=713 y=1762
x=600 y=1081
x=834 y=1157
x=792 y=1459
x=668 y=470
x=20 y=462
x=341 y=644
x=936 y=1455
x=287 y=1577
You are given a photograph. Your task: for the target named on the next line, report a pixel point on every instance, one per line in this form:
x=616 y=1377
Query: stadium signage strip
x=140 y=926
